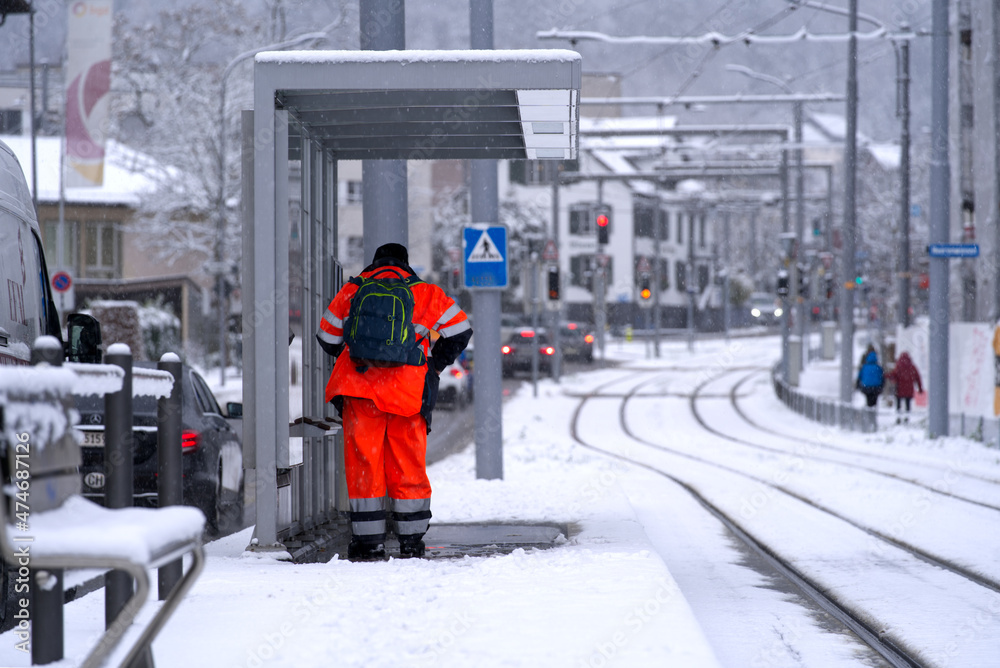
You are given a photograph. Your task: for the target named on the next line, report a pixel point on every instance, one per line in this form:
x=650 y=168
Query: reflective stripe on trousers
x=410 y=516
x=368 y=518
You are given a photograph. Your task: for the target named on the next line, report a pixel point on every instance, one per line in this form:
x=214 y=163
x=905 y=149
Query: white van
x=27 y=310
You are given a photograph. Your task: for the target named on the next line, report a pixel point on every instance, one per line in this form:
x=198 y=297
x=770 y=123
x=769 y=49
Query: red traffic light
x=602 y=220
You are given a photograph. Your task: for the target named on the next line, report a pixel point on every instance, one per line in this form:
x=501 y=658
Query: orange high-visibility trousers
x=385 y=453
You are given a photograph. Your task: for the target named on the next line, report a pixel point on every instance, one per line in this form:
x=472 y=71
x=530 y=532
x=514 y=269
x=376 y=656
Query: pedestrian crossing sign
x=484 y=249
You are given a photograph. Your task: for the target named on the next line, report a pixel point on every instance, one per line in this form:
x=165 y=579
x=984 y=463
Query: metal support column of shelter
x=486 y=304
x=384 y=183
x=265 y=327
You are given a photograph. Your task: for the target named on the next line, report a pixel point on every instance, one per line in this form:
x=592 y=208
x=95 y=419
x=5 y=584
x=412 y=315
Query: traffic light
x=783 y=283
x=803 y=281
x=644 y=292
x=829 y=287
x=553 y=283
x=602 y=218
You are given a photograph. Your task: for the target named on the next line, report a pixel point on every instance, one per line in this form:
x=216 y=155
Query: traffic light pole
x=725 y=280
x=600 y=320
x=555 y=315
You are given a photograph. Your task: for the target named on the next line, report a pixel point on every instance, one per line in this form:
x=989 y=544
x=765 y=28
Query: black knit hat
x=396 y=251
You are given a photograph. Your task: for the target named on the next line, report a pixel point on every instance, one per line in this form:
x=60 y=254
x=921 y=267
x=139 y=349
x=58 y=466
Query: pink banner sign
x=88 y=84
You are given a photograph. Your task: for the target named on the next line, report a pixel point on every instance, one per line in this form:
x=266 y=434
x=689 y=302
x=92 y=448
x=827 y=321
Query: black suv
x=212 y=453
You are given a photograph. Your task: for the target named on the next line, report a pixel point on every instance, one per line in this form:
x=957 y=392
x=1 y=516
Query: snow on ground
x=644 y=577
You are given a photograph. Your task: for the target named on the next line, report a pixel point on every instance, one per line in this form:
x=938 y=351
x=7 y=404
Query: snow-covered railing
x=47 y=526
x=825 y=411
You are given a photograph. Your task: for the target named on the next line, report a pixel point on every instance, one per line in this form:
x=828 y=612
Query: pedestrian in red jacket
x=905 y=375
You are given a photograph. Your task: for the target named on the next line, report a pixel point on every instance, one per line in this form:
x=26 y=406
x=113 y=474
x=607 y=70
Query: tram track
x=859 y=621
x=734 y=401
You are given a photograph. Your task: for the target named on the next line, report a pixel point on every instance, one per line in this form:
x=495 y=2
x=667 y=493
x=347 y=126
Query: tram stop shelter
x=315 y=108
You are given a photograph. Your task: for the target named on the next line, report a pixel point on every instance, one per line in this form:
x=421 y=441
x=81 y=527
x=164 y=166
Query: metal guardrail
x=825 y=411
x=54 y=467
x=984 y=429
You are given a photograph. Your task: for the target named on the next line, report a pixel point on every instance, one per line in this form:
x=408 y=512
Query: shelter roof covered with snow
x=435 y=104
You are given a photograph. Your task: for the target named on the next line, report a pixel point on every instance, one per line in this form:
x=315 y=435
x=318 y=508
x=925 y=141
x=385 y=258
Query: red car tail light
x=457 y=373
x=589 y=338
x=506 y=350
x=548 y=350
x=189 y=441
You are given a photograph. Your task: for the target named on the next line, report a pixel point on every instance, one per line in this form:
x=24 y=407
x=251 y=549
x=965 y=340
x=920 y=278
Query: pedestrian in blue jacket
x=870 y=379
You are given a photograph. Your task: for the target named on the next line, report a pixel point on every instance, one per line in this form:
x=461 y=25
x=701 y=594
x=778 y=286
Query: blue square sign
x=484 y=253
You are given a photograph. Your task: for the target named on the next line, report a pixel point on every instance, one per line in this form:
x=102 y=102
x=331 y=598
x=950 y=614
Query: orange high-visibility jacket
x=397 y=389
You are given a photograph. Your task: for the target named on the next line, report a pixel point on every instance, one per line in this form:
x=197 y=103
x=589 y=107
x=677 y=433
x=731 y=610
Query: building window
x=10 y=122
x=581 y=221
x=680 y=228
x=102 y=250
x=680 y=275
x=664 y=225
x=539 y=172
x=60 y=244
x=701 y=230
x=702 y=277
x=642 y=219
x=351 y=192
x=583 y=269
x=355 y=254
x=664 y=274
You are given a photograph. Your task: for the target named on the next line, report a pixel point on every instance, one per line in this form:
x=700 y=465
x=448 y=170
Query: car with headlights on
x=765 y=310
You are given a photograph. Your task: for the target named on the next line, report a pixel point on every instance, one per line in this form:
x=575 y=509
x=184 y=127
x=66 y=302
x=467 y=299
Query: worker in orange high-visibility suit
x=386 y=412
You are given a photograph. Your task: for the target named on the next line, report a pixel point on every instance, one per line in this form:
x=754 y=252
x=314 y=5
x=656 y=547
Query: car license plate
x=93 y=439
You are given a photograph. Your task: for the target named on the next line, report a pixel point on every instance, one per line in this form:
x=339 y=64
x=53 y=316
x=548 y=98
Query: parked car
x=765 y=309
x=212 y=453
x=453 y=389
x=518 y=351
x=577 y=342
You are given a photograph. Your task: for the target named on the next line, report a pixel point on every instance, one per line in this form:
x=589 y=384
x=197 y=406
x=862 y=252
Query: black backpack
x=379 y=327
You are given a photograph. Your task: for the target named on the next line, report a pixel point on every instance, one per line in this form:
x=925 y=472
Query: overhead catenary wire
x=718 y=39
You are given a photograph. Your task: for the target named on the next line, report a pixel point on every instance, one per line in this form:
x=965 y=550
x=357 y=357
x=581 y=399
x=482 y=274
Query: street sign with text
x=953 y=250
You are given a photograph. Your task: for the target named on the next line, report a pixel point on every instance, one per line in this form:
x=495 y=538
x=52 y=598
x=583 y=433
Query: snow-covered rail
x=859 y=537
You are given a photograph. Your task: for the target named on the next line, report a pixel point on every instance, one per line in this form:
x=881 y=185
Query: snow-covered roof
x=511 y=56
x=126 y=172
x=631 y=123
x=833 y=128
x=887 y=155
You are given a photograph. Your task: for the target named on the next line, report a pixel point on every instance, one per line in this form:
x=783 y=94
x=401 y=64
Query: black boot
x=411 y=546
x=366 y=550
